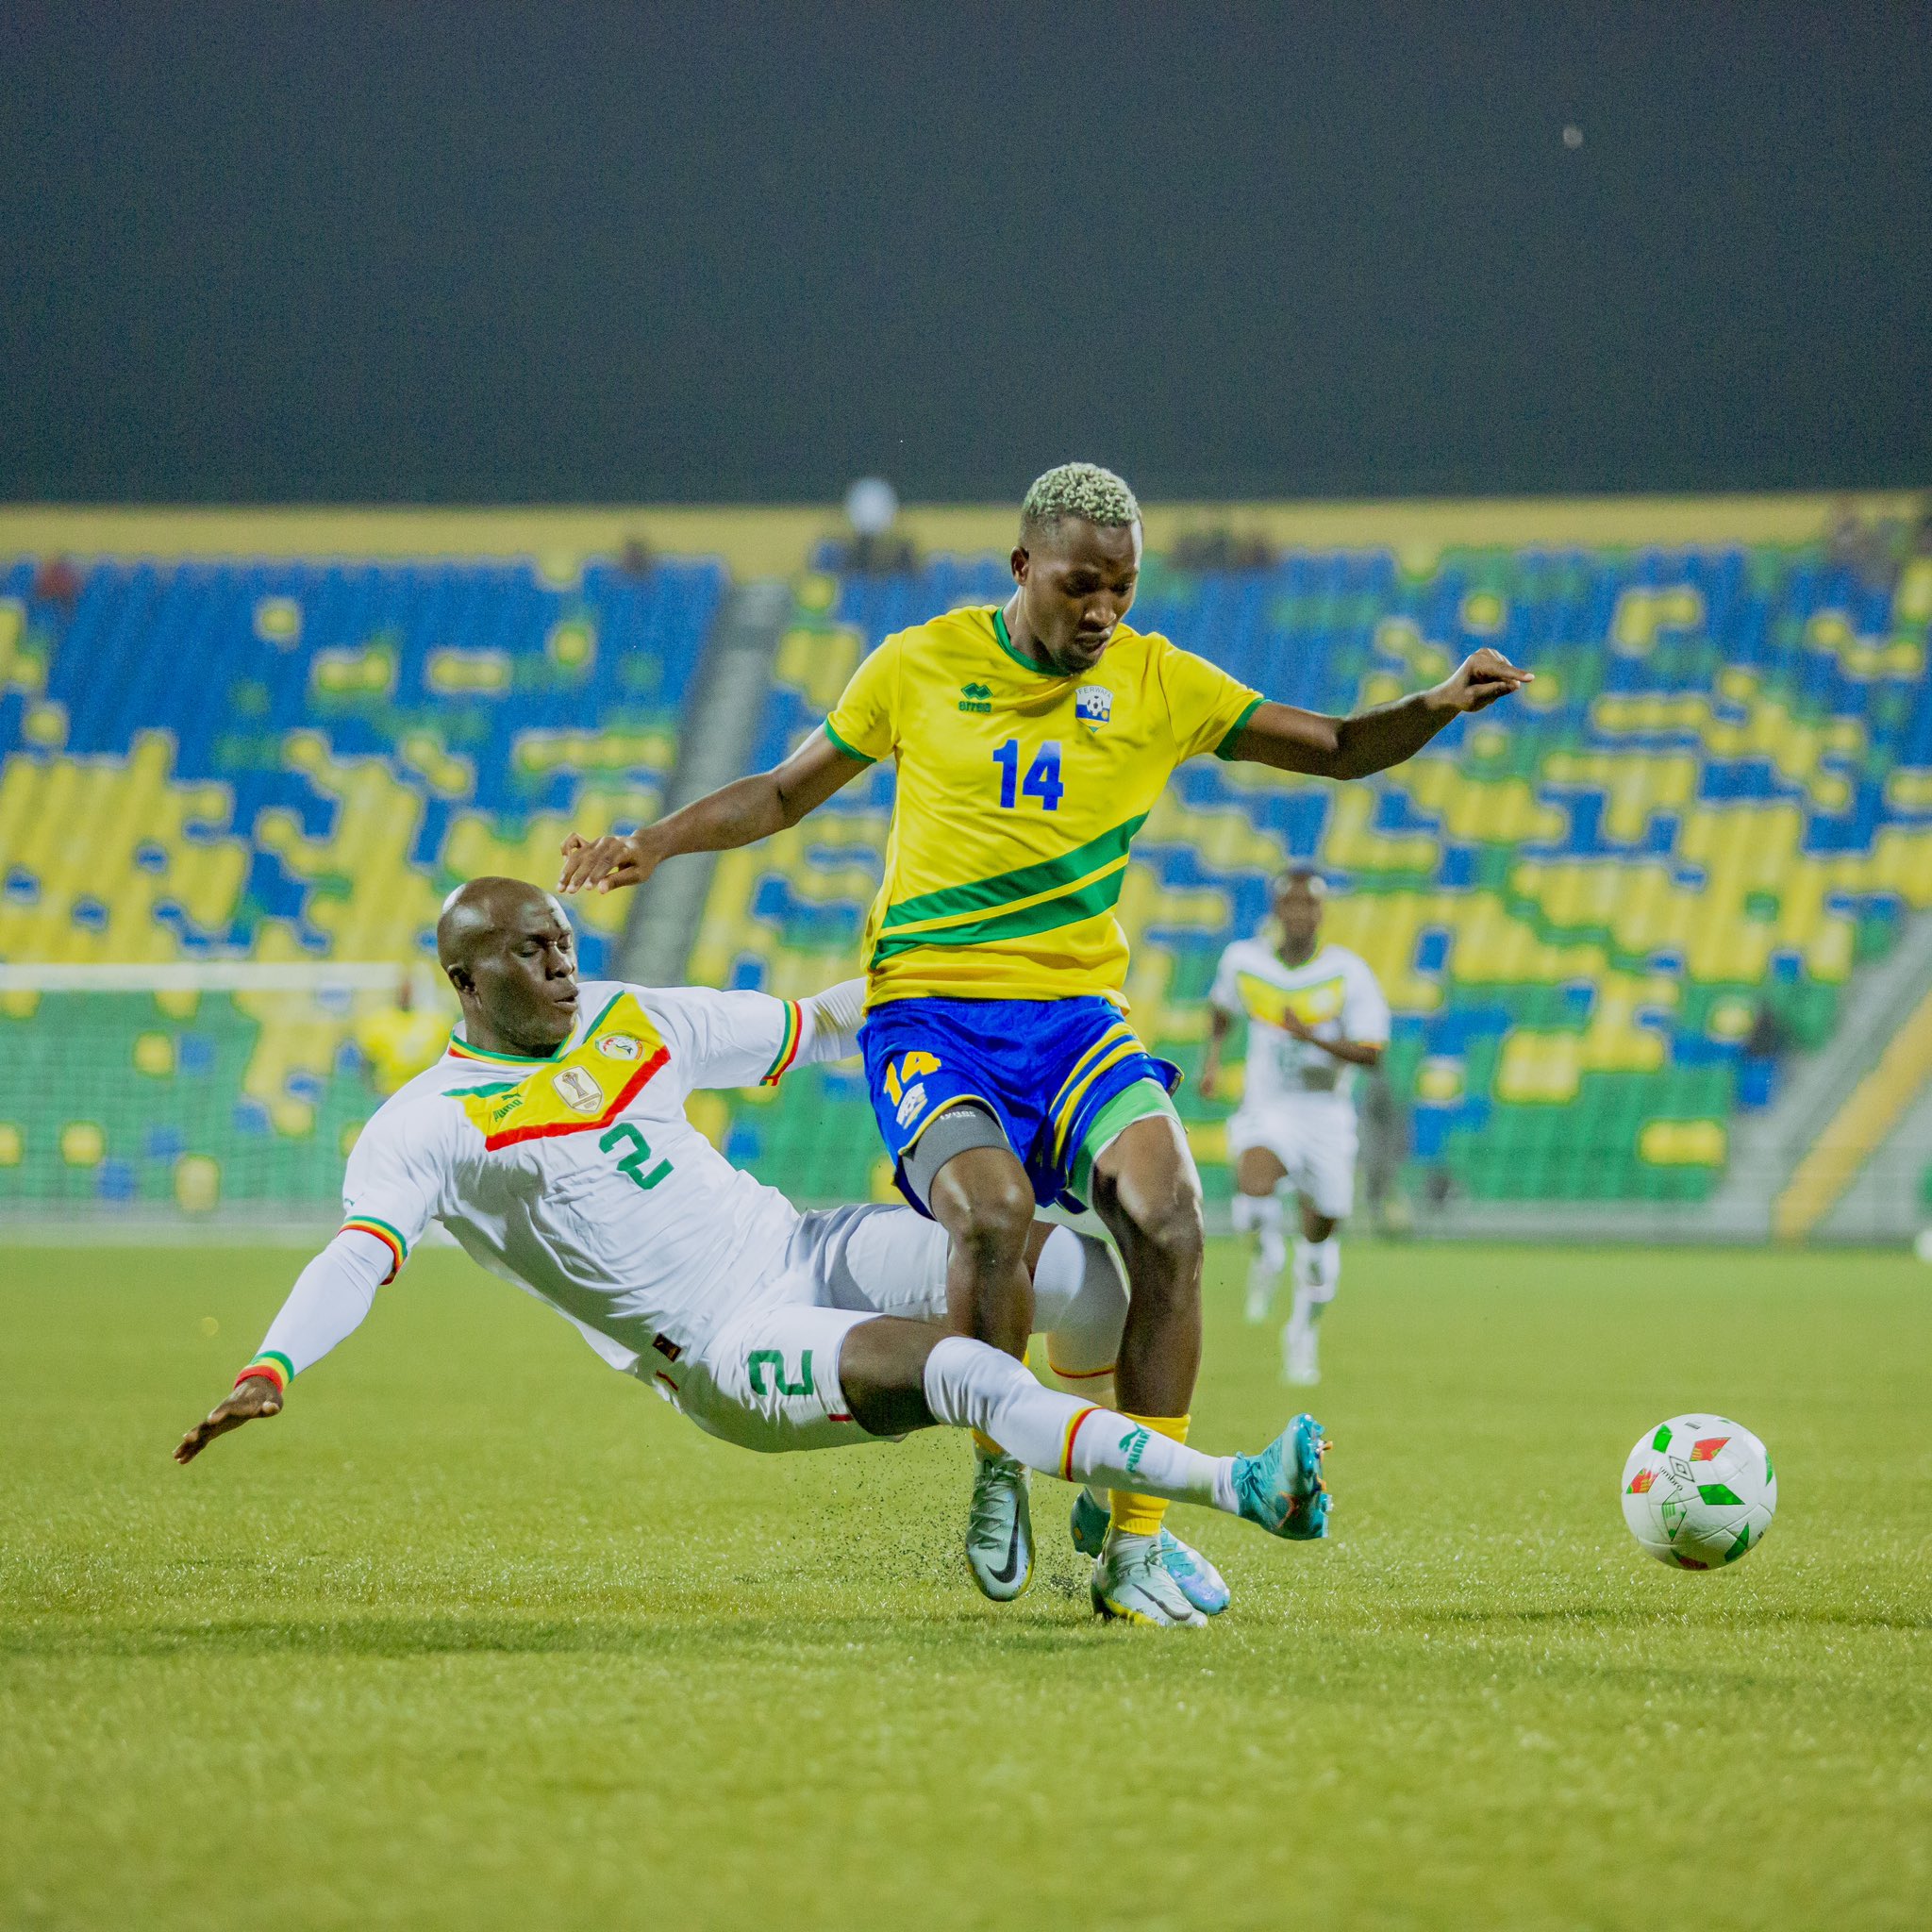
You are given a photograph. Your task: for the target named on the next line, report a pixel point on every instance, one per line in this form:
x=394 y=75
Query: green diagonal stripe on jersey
x=1025 y=882
x=1044 y=915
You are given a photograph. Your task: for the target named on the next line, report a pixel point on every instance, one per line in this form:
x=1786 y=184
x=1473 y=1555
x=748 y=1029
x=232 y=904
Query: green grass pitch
x=478 y=1634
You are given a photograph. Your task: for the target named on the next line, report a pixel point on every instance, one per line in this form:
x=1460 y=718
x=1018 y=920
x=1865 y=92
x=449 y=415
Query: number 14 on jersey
x=1042 y=779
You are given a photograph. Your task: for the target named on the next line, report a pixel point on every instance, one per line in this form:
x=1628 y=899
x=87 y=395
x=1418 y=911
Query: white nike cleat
x=1201 y=1583
x=1132 y=1583
x=999 y=1528
x=1301 y=1365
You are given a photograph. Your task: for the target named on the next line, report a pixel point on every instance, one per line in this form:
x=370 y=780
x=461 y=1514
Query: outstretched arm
x=330 y=1297
x=740 y=813
x=1291 y=740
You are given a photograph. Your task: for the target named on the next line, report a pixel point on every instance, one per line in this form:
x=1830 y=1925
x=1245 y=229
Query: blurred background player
x=1315 y=1013
x=398 y=1041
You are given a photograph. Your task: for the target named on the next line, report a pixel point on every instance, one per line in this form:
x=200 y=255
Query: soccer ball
x=1699 y=1491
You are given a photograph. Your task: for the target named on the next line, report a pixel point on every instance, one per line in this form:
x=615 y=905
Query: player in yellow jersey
x=1032 y=739
x=398 y=1041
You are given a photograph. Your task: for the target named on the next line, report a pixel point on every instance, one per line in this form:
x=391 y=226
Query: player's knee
x=990 y=1224
x=1170 y=1222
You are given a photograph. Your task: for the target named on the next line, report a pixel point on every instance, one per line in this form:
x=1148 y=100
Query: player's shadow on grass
x=775 y=1636
x=747 y=1637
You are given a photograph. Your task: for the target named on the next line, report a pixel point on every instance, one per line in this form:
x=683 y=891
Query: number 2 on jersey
x=1043 y=780
x=632 y=1163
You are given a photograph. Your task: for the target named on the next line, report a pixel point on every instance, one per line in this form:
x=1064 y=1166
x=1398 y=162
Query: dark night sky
x=585 y=253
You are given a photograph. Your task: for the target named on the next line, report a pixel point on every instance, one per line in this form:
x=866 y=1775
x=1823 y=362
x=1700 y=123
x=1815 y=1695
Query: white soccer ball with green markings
x=1699 y=1491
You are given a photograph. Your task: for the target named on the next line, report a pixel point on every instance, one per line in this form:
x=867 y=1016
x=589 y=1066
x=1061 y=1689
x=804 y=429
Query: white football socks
x=971 y=1386
x=1317 y=1272
x=1262 y=1212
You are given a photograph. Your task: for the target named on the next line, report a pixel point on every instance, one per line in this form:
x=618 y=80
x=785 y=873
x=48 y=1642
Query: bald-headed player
x=551 y=1141
x=1032 y=739
x=1315 y=1013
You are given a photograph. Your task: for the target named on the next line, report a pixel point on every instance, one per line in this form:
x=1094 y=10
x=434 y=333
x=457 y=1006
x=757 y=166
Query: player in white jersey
x=551 y=1141
x=1315 y=1013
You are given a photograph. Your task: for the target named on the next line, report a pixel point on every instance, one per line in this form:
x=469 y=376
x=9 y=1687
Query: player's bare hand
x=257 y=1396
x=1294 y=1026
x=604 y=864
x=1478 y=681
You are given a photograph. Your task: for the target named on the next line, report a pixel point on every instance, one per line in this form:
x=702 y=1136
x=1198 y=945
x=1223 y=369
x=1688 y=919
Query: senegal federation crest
x=621 y=1046
x=1093 y=705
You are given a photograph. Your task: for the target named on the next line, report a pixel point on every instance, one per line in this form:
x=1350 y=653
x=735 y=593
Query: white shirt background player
x=1315 y=1013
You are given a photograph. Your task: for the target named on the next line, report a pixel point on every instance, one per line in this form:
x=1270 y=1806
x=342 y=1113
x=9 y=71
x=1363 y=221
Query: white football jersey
x=577 y=1176
x=1332 y=992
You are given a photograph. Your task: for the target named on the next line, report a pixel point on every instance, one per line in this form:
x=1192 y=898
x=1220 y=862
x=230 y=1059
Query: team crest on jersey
x=621 y=1046
x=1093 y=705
x=578 y=1091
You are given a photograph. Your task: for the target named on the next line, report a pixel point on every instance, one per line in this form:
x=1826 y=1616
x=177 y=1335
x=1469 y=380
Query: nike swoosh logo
x=1012 y=1569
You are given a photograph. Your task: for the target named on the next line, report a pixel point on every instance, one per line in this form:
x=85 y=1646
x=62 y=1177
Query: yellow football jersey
x=398 y=1044
x=1020 y=792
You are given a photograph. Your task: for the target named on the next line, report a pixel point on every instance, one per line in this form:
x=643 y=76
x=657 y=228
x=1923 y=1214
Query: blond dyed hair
x=1077 y=489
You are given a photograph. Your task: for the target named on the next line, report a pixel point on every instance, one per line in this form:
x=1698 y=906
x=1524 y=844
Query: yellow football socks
x=1136 y=1515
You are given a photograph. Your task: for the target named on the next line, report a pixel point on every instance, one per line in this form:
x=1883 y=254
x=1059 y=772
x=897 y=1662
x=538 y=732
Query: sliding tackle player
x=551 y=1141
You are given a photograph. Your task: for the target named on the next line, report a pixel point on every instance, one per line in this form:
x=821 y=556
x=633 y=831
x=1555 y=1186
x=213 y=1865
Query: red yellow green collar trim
x=464 y=1051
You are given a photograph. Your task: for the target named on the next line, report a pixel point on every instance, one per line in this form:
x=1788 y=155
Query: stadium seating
x=290 y=761
x=1600 y=913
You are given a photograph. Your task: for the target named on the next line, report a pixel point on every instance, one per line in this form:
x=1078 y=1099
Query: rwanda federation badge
x=1093 y=705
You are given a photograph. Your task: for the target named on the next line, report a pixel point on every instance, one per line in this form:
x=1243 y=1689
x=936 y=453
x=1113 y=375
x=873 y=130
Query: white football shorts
x=769 y=1378
x=1315 y=1143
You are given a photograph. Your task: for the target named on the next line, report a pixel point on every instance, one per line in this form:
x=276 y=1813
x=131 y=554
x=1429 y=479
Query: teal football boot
x=1282 y=1487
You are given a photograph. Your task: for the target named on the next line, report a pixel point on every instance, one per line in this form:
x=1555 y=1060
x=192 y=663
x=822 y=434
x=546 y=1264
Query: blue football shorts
x=1062 y=1078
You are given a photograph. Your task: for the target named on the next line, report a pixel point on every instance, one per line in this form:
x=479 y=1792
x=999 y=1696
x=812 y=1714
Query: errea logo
x=977 y=697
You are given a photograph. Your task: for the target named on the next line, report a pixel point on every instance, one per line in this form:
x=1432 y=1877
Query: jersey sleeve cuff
x=1225 y=748
x=850 y=751
x=381 y=1231
x=788 y=1047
